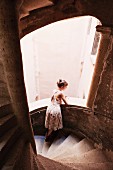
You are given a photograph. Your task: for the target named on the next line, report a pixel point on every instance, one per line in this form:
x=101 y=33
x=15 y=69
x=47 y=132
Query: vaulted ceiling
x=35 y=14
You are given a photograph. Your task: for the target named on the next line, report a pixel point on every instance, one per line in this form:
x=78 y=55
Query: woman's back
x=57 y=97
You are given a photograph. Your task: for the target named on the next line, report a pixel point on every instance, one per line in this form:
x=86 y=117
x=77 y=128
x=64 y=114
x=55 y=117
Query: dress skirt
x=53 y=119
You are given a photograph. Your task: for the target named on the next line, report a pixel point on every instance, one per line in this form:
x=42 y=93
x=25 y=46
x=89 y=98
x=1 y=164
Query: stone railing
x=81 y=121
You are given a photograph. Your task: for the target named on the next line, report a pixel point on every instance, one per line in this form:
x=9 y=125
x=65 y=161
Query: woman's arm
x=64 y=99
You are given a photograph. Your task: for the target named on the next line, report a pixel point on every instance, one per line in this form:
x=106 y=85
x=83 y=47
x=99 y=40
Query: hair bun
x=62 y=83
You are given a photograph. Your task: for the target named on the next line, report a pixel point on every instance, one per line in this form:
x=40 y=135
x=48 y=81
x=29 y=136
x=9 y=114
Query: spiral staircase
x=74 y=153
x=87 y=143
x=66 y=151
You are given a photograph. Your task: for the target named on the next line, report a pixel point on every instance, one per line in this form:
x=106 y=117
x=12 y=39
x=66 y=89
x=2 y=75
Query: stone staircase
x=66 y=152
x=16 y=152
x=15 y=148
x=74 y=153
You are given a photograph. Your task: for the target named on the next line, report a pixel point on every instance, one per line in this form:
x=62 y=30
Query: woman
x=53 y=119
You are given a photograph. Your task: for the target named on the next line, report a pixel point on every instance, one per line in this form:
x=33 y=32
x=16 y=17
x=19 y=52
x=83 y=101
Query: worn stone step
x=45 y=148
x=93 y=156
x=6 y=123
x=38 y=163
x=68 y=143
x=39 y=140
x=8 y=140
x=55 y=144
x=49 y=164
x=12 y=158
x=83 y=146
x=91 y=166
x=5 y=110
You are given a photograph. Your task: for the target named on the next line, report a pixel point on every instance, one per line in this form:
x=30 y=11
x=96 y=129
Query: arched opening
x=65 y=49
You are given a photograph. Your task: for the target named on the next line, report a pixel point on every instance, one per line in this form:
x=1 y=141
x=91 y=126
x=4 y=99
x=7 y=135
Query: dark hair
x=62 y=83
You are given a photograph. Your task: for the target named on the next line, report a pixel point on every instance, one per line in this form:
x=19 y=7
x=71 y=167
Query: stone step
x=93 y=156
x=6 y=123
x=68 y=143
x=39 y=140
x=83 y=146
x=55 y=144
x=45 y=148
x=7 y=141
x=12 y=159
x=49 y=164
x=5 y=110
x=91 y=166
x=39 y=164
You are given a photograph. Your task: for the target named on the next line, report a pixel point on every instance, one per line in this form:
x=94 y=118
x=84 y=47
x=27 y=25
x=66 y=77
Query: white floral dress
x=53 y=119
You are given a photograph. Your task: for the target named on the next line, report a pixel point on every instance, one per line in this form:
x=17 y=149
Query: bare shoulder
x=60 y=94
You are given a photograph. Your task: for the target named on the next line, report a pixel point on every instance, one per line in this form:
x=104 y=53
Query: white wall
x=56 y=51
x=28 y=65
x=88 y=62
